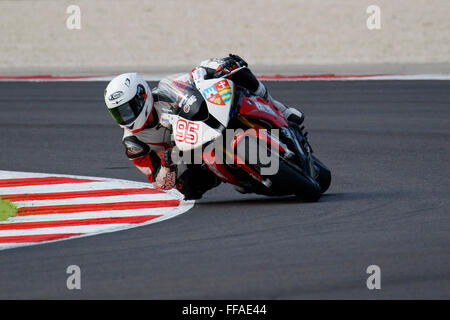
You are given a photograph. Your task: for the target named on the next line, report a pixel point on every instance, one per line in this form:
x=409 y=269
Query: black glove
x=241 y=62
x=229 y=64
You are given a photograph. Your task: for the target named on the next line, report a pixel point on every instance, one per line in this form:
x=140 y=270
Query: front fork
x=302 y=149
x=294 y=149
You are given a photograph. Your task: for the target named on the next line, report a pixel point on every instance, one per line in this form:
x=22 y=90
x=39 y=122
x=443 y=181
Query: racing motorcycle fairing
x=218 y=94
x=258 y=108
x=264 y=136
x=219 y=169
x=200 y=110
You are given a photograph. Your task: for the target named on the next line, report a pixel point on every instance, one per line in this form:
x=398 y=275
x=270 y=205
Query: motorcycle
x=203 y=111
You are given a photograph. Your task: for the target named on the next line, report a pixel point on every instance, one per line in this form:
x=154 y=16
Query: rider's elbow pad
x=146 y=160
x=134 y=148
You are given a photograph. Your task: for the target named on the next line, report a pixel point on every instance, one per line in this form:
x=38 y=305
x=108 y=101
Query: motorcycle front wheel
x=323 y=177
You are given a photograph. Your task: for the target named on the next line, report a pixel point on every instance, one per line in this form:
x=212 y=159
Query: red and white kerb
x=59 y=207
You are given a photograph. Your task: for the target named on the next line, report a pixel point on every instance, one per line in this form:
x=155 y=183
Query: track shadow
x=270 y=200
x=355 y=196
x=247 y=201
x=327 y=197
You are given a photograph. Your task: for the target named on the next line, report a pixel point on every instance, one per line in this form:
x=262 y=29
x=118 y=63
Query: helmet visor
x=128 y=112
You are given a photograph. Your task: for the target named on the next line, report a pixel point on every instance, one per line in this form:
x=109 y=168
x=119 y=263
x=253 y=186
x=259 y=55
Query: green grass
x=7 y=209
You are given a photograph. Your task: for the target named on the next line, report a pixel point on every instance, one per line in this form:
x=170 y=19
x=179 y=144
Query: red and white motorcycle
x=234 y=133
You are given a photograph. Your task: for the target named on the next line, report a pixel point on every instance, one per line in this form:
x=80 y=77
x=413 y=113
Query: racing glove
x=166 y=177
x=161 y=172
x=240 y=62
x=218 y=68
x=229 y=65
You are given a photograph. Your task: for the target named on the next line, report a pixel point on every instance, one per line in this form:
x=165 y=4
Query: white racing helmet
x=129 y=100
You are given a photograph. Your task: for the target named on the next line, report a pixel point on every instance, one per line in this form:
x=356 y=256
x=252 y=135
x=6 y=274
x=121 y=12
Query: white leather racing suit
x=148 y=147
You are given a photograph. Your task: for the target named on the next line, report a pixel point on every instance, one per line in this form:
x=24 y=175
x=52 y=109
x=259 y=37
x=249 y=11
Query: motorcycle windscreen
x=259 y=108
x=184 y=98
x=200 y=100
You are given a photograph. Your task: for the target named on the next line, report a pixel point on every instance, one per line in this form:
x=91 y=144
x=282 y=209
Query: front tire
x=305 y=188
x=324 y=174
x=288 y=180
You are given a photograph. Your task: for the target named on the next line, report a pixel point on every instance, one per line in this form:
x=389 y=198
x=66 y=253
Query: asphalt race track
x=386 y=142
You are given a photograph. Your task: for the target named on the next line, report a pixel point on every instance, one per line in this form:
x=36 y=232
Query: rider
x=138 y=109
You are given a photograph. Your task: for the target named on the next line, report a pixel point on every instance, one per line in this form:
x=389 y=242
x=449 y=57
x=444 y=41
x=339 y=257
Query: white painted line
x=93 y=200
x=68 y=187
x=59 y=230
x=158 y=77
x=90 y=215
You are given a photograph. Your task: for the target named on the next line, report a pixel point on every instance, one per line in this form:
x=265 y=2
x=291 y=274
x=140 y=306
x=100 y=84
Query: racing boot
x=291 y=114
x=195 y=181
